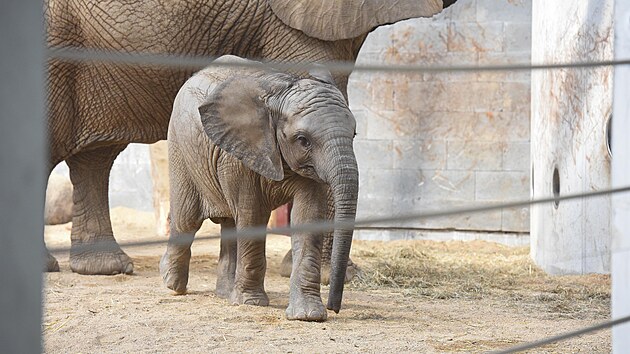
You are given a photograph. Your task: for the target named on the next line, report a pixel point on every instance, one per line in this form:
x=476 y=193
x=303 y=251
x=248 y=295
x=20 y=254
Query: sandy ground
x=137 y=314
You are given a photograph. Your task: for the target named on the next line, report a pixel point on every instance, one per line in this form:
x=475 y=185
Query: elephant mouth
x=308 y=171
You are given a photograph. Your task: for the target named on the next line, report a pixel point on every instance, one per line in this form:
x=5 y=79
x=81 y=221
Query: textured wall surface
x=620 y=257
x=570 y=109
x=441 y=140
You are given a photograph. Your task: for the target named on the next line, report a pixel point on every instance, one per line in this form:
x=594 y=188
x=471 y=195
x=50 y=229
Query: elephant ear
x=237 y=120
x=332 y=20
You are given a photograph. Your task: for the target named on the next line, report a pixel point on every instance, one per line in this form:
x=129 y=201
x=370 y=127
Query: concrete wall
x=570 y=109
x=620 y=260
x=443 y=140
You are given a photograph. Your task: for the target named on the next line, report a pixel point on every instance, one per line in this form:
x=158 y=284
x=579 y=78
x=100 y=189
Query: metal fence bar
x=260 y=232
x=620 y=262
x=191 y=62
x=565 y=336
x=22 y=178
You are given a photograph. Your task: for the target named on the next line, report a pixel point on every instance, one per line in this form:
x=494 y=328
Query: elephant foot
x=306 y=308
x=351 y=272
x=174 y=272
x=287 y=265
x=51 y=264
x=224 y=287
x=108 y=259
x=256 y=298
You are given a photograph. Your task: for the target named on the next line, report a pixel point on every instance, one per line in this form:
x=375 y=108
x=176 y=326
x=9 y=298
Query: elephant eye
x=303 y=141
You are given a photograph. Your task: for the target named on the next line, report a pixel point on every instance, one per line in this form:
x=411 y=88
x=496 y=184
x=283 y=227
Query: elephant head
x=266 y=118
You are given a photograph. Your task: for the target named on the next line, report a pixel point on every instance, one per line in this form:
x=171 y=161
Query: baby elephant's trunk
x=344 y=183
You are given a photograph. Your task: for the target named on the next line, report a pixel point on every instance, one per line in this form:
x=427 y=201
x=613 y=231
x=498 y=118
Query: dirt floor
x=412 y=296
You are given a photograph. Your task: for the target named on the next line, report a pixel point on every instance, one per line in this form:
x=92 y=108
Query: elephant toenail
x=129 y=268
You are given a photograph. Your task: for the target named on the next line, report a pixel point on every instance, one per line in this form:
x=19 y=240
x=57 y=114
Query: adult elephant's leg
x=94 y=249
x=61 y=110
x=305 y=302
x=226 y=269
x=51 y=264
x=251 y=265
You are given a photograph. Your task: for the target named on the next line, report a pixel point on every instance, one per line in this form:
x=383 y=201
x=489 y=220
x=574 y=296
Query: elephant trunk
x=343 y=178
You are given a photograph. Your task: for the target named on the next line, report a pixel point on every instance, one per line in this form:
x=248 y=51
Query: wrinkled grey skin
x=96 y=109
x=243 y=142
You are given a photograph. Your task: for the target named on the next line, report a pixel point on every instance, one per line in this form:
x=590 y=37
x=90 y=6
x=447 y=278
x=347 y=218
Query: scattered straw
x=478 y=269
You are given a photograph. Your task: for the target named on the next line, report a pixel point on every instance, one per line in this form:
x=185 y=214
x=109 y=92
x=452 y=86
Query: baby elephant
x=243 y=142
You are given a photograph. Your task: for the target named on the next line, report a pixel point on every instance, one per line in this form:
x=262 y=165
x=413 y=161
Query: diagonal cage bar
x=564 y=336
x=192 y=62
x=262 y=231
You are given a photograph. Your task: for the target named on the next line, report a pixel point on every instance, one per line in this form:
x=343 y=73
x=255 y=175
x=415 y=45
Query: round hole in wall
x=609 y=135
x=556 y=186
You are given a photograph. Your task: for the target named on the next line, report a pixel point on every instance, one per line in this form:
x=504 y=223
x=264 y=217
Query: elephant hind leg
x=251 y=265
x=185 y=220
x=226 y=269
x=286 y=265
x=175 y=263
x=61 y=116
x=51 y=263
x=94 y=249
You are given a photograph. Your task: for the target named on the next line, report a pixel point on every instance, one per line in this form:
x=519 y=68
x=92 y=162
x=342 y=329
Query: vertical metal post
x=621 y=177
x=22 y=179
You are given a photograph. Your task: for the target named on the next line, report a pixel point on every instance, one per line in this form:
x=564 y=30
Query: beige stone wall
x=442 y=140
x=570 y=111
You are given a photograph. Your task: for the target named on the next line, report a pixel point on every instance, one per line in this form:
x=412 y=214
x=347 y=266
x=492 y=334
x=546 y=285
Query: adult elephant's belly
x=124 y=104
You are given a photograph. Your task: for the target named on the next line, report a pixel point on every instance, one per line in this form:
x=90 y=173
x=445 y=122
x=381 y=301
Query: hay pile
x=478 y=269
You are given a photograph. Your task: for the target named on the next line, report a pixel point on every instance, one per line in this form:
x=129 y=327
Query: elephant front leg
x=352 y=270
x=251 y=265
x=94 y=249
x=305 y=302
x=226 y=269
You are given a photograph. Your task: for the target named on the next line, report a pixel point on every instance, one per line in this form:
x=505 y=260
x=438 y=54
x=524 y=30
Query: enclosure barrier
x=22 y=181
x=77 y=54
x=565 y=336
x=323 y=226
x=74 y=54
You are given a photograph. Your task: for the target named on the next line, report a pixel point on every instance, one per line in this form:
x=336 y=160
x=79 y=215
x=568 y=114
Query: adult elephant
x=96 y=109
